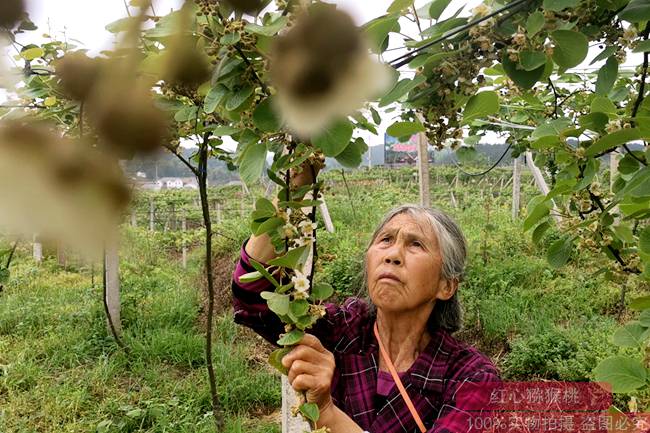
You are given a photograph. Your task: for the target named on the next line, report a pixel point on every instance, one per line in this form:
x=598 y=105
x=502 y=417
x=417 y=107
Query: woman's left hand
x=311 y=368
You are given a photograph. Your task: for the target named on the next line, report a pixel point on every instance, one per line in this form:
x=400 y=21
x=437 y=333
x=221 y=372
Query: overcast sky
x=84 y=20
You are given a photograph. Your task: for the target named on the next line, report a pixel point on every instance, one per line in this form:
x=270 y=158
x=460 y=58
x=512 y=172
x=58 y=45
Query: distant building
x=167 y=183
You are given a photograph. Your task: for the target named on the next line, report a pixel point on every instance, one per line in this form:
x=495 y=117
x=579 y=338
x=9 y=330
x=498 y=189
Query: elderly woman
x=388 y=364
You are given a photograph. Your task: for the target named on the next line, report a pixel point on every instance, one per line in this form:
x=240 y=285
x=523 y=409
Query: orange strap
x=399 y=384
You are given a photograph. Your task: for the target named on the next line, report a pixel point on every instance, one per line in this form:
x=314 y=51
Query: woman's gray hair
x=447 y=314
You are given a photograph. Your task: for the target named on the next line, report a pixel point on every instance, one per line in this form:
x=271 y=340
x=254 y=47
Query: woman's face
x=404 y=266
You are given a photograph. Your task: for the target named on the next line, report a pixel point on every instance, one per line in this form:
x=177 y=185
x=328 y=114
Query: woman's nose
x=393 y=255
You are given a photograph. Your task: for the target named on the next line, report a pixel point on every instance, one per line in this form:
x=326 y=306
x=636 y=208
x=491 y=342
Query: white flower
x=307 y=227
x=301 y=242
x=300 y=284
x=289 y=230
x=481 y=10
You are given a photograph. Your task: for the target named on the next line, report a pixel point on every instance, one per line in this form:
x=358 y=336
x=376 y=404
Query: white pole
x=37 y=249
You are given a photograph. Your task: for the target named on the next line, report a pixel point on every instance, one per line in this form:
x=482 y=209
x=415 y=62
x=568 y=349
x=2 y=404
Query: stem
x=245 y=58
x=354 y=212
x=550 y=83
x=483 y=173
x=406 y=58
x=640 y=96
x=312 y=217
x=11 y=254
x=203 y=191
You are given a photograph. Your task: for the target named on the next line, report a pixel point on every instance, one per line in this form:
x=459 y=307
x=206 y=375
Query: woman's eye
x=417 y=244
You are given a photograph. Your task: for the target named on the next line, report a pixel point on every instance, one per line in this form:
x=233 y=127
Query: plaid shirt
x=346 y=330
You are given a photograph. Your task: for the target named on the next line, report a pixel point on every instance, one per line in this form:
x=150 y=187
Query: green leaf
x=521 y=77
x=607 y=76
x=321 y=292
x=250 y=277
x=644 y=318
x=594 y=121
x=299 y=307
x=375 y=116
x=558 y=5
x=399 y=6
x=278 y=303
x=481 y=105
x=636 y=11
x=230 y=38
x=531 y=60
x=623 y=373
x=437 y=8
x=266 y=206
x=310 y=411
x=403 y=129
x=32 y=53
x=378 y=29
x=291 y=338
x=252 y=162
x=539 y=231
x=644 y=240
x=269 y=29
x=613 y=140
x=605 y=54
x=642 y=303
x=553 y=127
x=214 y=98
x=221 y=130
x=275 y=359
x=631 y=335
x=642 y=47
x=262 y=270
x=400 y=89
x=571 y=48
x=120 y=25
x=351 y=157
x=535 y=23
x=269 y=225
x=624 y=233
x=292 y=259
x=538 y=208
x=239 y=97
x=601 y=104
x=335 y=139
x=264 y=117
x=559 y=252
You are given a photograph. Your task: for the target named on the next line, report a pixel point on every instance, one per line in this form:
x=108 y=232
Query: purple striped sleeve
x=250 y=309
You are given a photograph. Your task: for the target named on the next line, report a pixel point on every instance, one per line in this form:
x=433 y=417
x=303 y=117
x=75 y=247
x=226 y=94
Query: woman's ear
x=446 y=289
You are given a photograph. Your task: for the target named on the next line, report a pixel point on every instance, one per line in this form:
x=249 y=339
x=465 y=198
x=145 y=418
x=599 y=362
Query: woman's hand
x=305 y=176
x=311 y=368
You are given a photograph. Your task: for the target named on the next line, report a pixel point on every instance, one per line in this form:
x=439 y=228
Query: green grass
x=61 y=371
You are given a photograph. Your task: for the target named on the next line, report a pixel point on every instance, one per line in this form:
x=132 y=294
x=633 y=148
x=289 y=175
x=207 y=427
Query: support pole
x=37 y=250
x=516 y=187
